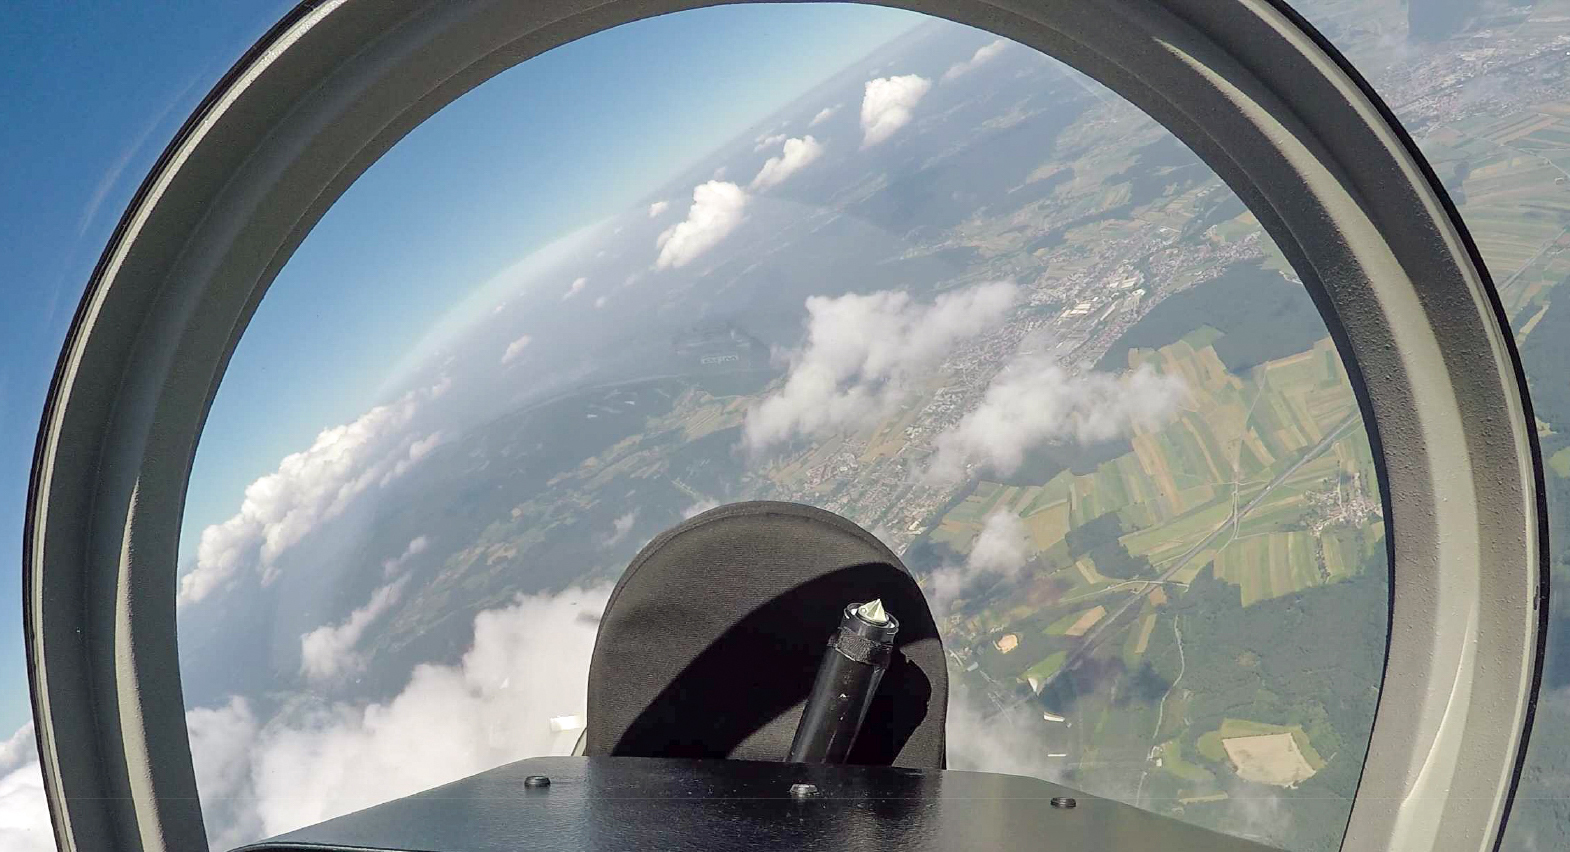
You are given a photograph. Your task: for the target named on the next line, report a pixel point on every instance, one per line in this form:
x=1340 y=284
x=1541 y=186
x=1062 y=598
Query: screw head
x=804 y=791
x=536 y=781
x=1064 y=802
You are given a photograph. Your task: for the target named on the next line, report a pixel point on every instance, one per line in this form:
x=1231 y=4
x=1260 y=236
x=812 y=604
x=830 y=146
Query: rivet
x=536 y=781
x=1064 y=802
x=804 y=791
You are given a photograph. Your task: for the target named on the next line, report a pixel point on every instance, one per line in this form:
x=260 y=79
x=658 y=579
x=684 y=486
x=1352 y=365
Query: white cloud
x=1032 y=401
x=1002 y=547
x=981 y=57
x=824 y=115
x=574 y=288
x=797 y=154
x=600 y=302
x=621 y=527
x=310 y=487
x=418 y=449
x=716 y=210
x=886 y=106
x=862 y=352
x=394 y=565
x=328 y=652
x=768 y=141
x=1003 y=744
x=21 y=748
x=719 y=173
x=1257 y=815
x=657 y=208
x=515 y=348
x=222 y=739
x=699 y=508
x=24 y=812
x=529 y=662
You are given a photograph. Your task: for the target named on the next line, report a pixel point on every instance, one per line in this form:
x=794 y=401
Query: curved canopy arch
x=1267 y=105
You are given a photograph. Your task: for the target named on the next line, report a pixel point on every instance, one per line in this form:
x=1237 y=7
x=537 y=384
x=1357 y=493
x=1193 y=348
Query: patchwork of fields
x=1197 y=474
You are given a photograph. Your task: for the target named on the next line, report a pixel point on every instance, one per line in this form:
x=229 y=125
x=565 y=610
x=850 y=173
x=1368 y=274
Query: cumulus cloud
x=328 y=652
x=824 y=115
x=657 y=208
x=797 y=154
x=887 y=104
x=1002 y=545
x=396 y=564
x=24 y=812
x=515 y=348
x=418 y=449
x=981 y=57
x=528 y=663
x=574 y=288
x=862 y=352
x=1032 y=401
x=620 y=528
x=716 y=210
x=768 y=141
x=308 y=488
x=1001 y=548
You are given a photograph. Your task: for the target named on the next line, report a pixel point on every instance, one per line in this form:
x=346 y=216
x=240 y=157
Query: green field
x=1269 y=565
x=1047 y=667
x=1173 y=762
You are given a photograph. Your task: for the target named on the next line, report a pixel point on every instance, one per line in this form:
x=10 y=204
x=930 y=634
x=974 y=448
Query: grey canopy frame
x=1267 y=104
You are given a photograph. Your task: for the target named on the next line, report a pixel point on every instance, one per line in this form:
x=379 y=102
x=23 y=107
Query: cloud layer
x=528 y=663
x=862 y=352
x=1033 y=400
x=797 y=154
x=24 y=812
x=982 y=56
x=887 y=105
x=308 y=488
x=717 y=208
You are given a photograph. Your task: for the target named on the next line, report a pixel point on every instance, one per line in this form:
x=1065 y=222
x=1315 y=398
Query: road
x=1103 y=627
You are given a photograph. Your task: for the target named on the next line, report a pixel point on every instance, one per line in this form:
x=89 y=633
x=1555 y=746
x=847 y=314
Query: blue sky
x=93 y=98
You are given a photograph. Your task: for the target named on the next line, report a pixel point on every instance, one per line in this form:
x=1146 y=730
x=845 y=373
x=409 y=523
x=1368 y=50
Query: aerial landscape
x=984 y=308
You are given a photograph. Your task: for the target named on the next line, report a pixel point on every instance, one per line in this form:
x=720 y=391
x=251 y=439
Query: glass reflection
x=925 y=278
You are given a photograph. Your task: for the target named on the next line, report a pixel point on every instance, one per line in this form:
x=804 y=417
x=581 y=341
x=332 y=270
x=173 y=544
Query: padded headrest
x=712 y=639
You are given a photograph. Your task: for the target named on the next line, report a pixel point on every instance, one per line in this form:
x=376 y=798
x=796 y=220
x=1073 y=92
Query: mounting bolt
x=804 y=791
x=536 y=781
x=1064 y=802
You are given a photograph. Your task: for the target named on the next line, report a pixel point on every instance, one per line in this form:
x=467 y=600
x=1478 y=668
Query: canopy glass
x=887 y=265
